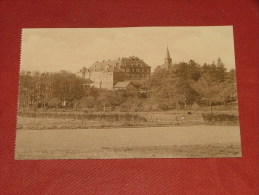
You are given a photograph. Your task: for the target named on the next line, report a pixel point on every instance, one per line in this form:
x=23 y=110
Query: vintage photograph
x=133 y=92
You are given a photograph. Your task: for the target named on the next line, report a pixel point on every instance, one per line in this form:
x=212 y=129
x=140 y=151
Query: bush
x=54 y=103
x=110 y=117
x=86 y=102
x=220 y=118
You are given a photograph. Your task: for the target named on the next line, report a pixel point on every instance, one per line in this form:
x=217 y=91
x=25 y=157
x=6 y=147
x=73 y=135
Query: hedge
x=220 y=118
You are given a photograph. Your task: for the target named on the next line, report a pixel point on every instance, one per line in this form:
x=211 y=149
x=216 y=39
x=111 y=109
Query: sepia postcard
x=135 y=92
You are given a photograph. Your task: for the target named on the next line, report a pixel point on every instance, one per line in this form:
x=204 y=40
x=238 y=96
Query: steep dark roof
x=116 y=65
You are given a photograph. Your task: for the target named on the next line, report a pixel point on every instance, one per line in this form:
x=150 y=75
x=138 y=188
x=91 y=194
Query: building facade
x=106 y=74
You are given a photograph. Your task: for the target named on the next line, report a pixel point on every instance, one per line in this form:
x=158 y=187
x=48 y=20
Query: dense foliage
x=188 y=85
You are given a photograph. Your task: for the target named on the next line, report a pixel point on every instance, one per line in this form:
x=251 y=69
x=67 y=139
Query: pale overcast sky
x=55 y=49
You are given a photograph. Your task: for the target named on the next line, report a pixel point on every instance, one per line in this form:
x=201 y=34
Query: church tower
x=168 y=61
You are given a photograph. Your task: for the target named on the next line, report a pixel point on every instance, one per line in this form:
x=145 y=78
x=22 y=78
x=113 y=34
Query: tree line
x=189 y=84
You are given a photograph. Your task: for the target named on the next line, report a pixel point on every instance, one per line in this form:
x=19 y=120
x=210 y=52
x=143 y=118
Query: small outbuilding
x=126 y=85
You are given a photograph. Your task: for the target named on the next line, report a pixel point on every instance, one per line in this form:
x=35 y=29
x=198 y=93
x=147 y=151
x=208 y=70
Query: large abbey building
x=106 y=74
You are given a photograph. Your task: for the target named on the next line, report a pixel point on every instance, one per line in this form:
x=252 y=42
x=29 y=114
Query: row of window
x=130 y=70
x=136 y=70
x=108 y=76
x=136 y=76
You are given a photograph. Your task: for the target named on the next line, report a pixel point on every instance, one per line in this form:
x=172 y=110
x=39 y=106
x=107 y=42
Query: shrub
x=55 y=103
x=220 y=118
x=86 y=102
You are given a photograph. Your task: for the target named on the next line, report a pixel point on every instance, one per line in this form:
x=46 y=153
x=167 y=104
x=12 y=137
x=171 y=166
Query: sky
x=54 y=49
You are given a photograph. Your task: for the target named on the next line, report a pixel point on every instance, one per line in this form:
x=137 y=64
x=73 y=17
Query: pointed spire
x=167 y=56
x=168 y=61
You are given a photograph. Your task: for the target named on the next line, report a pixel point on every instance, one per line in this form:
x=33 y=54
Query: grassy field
x=153 y=142
x=76 y=135
x=174 y=151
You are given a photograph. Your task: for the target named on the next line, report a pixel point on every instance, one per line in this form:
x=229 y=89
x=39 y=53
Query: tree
x=67 y=86
x=157 y=78
x=178 y=91
x=54 y=102
x=208 y=89
x=86 y=102
x=220 y=71
x=228 y=91
x=189 y=70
